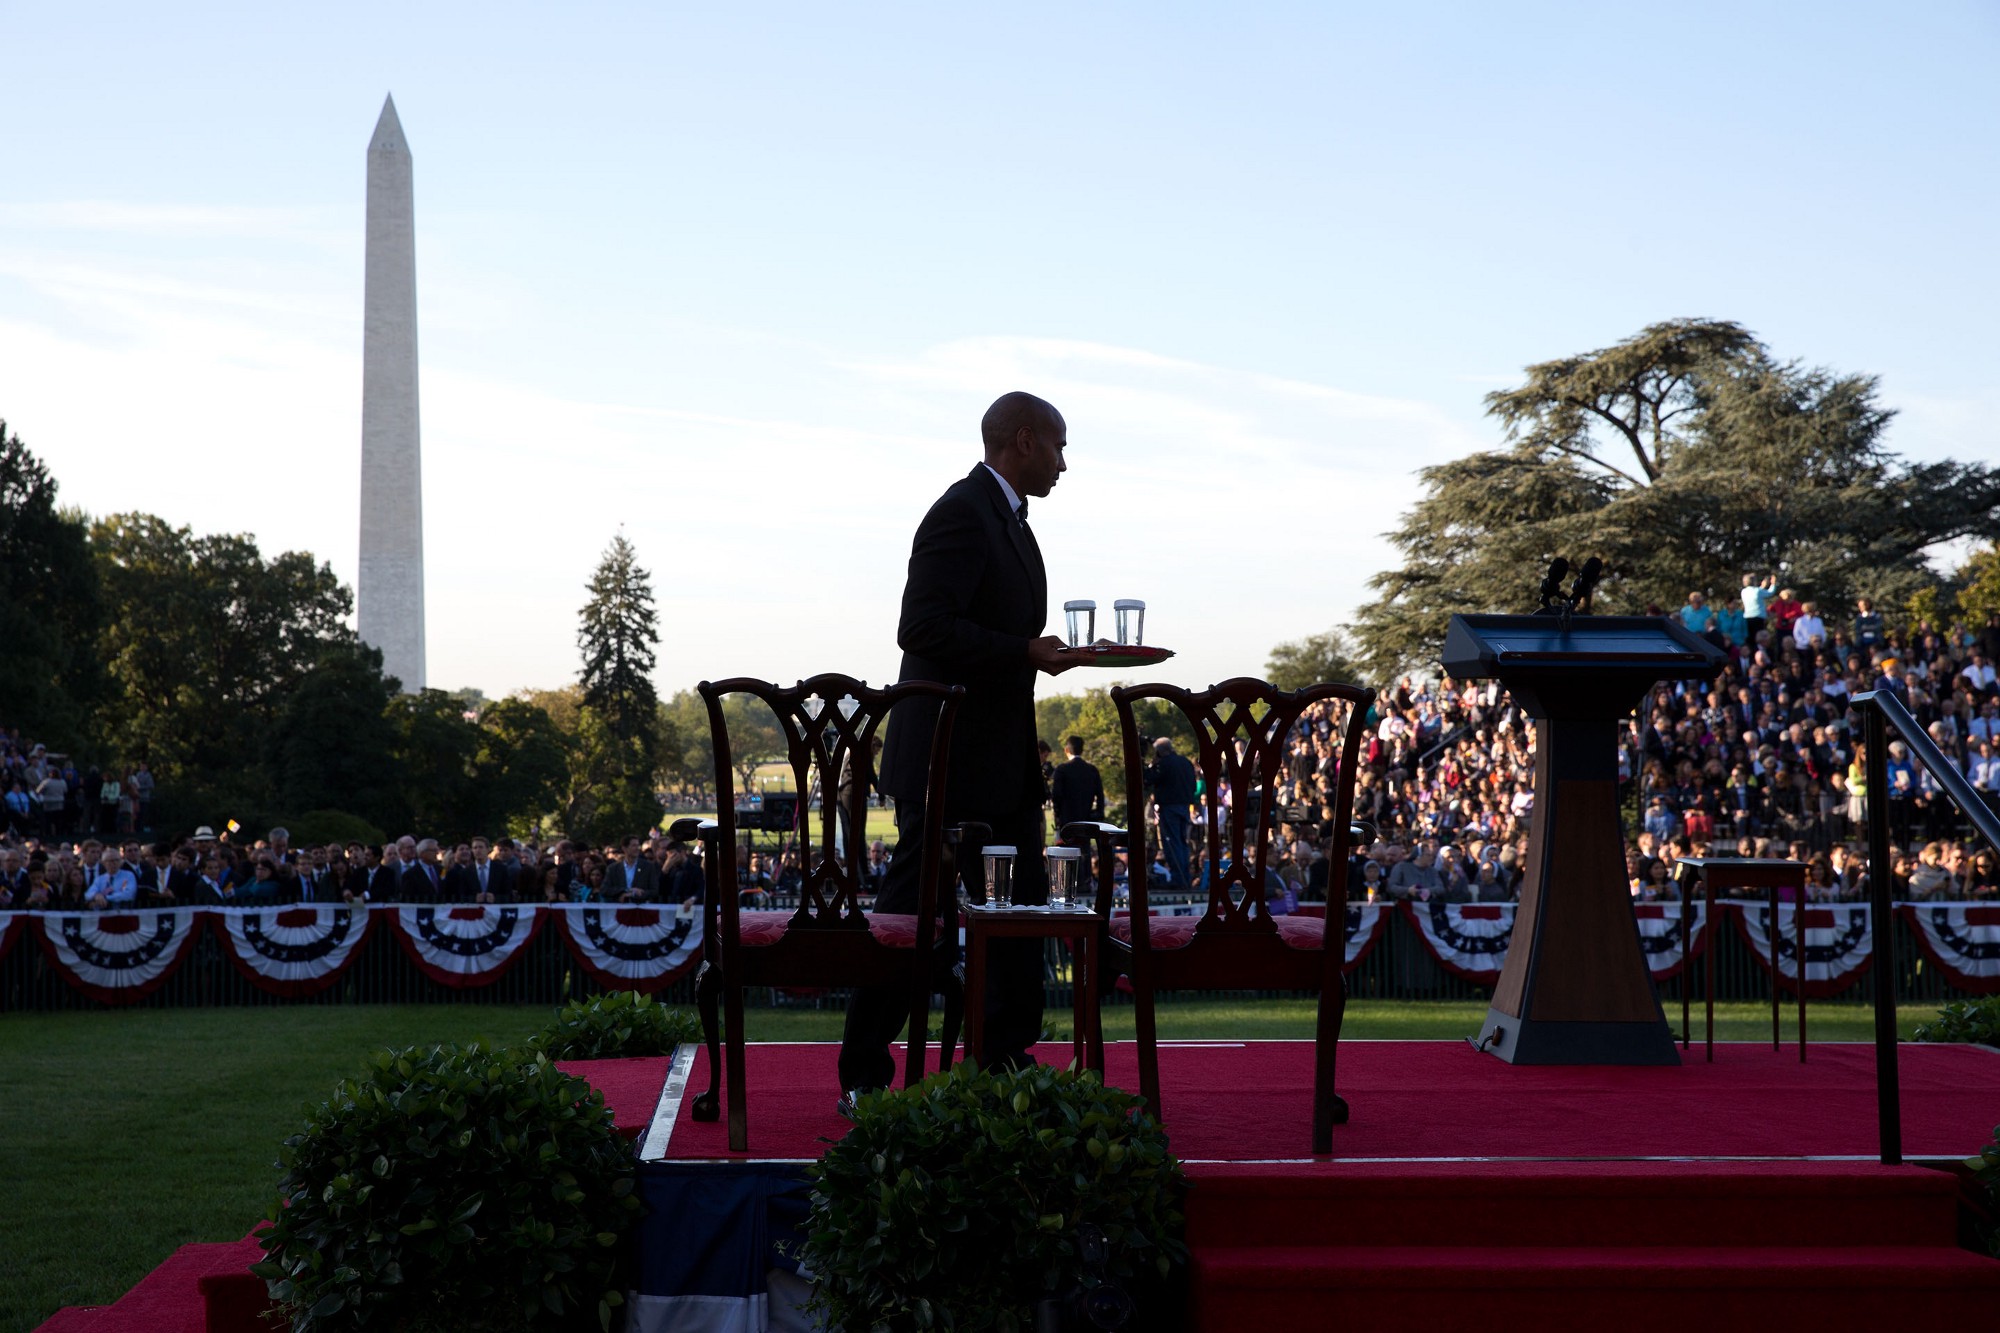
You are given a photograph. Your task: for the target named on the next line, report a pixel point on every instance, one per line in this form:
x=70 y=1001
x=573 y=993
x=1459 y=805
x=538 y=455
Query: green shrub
x=1965 y=1020
x=1985 y=1170
x=615 y=1025
x=459 y=1187
x=960 y=1203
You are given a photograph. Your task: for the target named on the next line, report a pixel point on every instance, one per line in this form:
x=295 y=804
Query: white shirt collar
x=1007 y=492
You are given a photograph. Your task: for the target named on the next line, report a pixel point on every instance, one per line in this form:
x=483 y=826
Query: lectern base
x=1528 y=1042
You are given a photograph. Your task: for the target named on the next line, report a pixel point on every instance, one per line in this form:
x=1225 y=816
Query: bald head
x=1024 y=438
x=1011 y=414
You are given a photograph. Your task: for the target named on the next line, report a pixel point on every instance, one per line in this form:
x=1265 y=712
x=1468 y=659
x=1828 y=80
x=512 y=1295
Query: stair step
x=1256 y=1289
x=1562 y=1204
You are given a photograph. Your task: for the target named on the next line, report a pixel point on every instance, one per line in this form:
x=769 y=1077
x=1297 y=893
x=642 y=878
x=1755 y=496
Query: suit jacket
x=1078 y=792
x=976 y=596
x=644 y=878
x=385 y=883
x=417 y=887
x=461 y=884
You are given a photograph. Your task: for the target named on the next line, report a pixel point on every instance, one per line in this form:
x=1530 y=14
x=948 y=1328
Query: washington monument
x=389 y=597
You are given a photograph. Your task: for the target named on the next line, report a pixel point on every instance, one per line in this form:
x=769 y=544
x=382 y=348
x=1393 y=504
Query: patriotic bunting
x=10 y=930
x=1838 y=942
x=466 y=946
x=1468 y=940
x=1366 y=923
x=1660 y=936
x=292 y=951
x=118 y=957
x=1961 y=938
x=631 y=948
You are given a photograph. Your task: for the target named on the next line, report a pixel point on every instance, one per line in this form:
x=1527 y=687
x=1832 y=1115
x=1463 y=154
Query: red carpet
x=1245 y=1102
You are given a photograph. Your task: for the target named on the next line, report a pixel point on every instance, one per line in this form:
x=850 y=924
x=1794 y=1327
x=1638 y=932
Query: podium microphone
x=1552 y=585
x=1586 y=582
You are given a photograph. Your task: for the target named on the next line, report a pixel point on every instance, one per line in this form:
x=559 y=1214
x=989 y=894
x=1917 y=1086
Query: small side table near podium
x=1079 y=925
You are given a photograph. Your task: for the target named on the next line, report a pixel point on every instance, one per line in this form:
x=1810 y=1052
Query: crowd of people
x=1766 y=760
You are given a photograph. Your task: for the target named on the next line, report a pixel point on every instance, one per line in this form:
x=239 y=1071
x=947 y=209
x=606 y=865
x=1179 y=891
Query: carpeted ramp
x=1624 y=1245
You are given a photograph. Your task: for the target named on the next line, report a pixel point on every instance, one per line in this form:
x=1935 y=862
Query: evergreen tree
x=1684 y=457
x=49 y=604
x=618 y=635
x=613 y=771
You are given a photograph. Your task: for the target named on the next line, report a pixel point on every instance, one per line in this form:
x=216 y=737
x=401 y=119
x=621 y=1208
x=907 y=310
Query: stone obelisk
x=390 y=593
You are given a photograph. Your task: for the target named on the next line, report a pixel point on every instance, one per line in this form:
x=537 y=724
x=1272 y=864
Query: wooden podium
x=1575 y=989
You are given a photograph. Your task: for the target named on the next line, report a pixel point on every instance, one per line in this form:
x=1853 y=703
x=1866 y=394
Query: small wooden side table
x=1080 y=926
x=1743 y=872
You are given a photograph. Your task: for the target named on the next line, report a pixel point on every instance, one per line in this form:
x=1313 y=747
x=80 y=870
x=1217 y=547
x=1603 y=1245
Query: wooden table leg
x=1079 y=1002
x=1800 y=934
x=1776 y=976
x=975 y=994
x=1708 y=963
x=1687 y=964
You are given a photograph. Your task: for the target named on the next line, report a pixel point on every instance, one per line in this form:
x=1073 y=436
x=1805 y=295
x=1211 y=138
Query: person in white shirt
x=1979 y=673
x=1985 y=727
x=1808 y=631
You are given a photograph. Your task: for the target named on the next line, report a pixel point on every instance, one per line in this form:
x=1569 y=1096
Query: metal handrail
x=1883 y=710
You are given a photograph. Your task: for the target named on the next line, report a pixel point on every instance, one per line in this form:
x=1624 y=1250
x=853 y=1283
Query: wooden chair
x=828 y=940
x=1241 y=729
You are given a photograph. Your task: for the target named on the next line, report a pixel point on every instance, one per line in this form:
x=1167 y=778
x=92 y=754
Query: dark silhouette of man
x=1077 y=787
x=974 y=607
x=1171 y=779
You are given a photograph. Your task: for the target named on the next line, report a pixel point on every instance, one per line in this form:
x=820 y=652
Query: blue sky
x=741 y=279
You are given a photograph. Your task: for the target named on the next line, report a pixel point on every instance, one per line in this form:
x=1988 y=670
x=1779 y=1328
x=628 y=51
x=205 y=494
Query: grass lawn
x=131 y=1133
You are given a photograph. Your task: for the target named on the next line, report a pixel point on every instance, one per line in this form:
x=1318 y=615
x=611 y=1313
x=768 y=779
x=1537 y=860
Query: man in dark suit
x=422 y=882
x=631 y=878
x=1077 y=787
x=974 y=607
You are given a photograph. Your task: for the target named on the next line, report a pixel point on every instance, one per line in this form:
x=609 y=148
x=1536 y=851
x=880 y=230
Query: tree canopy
x=1684 y=457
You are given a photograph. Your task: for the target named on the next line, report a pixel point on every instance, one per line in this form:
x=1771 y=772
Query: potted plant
x=993 y=1201
x=616 y=1025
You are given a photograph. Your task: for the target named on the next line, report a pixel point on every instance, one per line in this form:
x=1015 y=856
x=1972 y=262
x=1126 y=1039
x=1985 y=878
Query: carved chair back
x=826 y=725
x=1243 y=729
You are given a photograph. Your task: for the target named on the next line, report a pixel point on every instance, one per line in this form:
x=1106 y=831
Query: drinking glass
x=1131 y=621
x=1082 y=622
x=999 y=876
x=1065 y=869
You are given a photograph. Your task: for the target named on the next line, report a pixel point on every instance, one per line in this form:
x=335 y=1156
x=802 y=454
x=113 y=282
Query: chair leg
x=707 y=992
x=1329 y=1109
x=954 y=1015
x=739 y=1114
x=1149 y=1047
x=920 y=1021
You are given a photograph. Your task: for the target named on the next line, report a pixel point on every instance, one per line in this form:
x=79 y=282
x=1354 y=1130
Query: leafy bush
x=963 y=1202
x=614 y=1025
x=1965 y=1020
x=460 y=1187
x=1985 y=1170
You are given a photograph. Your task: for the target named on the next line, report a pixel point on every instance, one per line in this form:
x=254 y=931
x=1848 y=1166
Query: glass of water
x=1131 y=614
x=1082 y=616
x=1065 y=870
x=999 y=876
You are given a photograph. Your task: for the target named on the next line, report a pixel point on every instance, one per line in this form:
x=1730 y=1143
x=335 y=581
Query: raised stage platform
x=1466 y=1192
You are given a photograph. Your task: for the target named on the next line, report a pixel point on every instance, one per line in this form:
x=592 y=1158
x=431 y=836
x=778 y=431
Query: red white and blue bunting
x=118 y=957
x=292 y=951
x=1660 y=936
x=1961 y=938
x=631 y=948
x=1838 y=943
x=1366 y=924
x=11 y=926
x=1468 y=940
x=466 y=946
